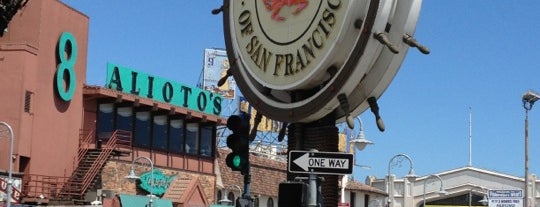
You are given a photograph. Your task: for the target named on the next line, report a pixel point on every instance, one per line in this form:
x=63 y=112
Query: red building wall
x=48 y=133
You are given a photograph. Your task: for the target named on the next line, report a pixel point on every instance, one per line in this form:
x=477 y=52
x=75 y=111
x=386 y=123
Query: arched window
x=230 y=196
x=218 y=195
x=270 y=202
x=256 y=201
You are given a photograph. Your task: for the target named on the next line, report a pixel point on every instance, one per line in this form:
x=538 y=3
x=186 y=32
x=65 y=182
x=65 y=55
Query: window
x=159 y=132
x=230 y=196
x=141 y=135
x=176 y=136
x=156 y=130
x=207 y=133
x=105 y=121
x=27 y=101
x=124 y=118
x=256 y=201
x=218 y=196
x=192 y=138
x=270 y=202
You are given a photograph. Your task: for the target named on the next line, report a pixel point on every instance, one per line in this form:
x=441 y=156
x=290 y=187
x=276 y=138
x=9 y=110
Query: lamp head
x=360 y=142
x=484 y=200
x=132 y=176
x=225 y=200
x=411 y=176
x=443 y=192
x=530 y=97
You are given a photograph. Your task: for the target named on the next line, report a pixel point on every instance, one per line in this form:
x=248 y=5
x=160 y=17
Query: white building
x=467 y=186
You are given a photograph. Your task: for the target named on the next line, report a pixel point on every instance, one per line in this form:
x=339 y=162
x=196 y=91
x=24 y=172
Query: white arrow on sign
x=306 y=162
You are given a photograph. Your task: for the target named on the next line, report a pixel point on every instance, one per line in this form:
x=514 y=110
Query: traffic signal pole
x=245 y=200
x=313 y=193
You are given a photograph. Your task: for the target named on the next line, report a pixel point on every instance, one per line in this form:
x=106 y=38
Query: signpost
x=320 y=162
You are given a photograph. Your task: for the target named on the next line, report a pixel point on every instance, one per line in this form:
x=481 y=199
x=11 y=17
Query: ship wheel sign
x=299 y=60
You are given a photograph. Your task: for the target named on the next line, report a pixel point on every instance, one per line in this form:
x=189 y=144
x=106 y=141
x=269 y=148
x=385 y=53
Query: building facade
x=466 y=186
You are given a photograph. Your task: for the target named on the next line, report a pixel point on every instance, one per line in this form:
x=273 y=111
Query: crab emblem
x=275 y=7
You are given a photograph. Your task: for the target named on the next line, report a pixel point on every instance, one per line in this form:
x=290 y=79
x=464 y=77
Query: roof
x=354 y=185
x=101 y=92
x=187 y=191
x=483 y=171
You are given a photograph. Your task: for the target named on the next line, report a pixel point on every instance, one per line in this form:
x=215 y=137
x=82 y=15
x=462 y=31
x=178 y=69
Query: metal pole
x=10 y=161
x=312 y=195
x=470 y=197
x=528 y=101
x=526 y=199
x=424 y=195
x=151 y=178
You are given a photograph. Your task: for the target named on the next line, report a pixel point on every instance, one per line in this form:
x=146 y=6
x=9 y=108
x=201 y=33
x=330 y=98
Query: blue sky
x=484 y=56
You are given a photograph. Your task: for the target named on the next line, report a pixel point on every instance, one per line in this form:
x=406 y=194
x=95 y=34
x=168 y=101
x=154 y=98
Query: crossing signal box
x=292 y=194
x=238 y=142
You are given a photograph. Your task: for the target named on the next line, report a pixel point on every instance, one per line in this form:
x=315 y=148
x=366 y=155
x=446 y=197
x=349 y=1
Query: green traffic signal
x=236 y=161
x=238 y=142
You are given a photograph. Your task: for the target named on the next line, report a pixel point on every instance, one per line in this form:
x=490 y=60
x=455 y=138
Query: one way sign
x=320 y=162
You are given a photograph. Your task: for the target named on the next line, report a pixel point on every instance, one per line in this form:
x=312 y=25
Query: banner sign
x=505 y=198
x=15 y=193
x=215 y=67
x=266 y=125
x=148 y=86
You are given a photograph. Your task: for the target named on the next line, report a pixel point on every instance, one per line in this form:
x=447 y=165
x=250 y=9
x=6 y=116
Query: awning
x=142 y=201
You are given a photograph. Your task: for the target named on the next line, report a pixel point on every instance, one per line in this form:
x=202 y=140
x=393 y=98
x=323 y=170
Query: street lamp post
x=441 y=188
x=411 y=175
x=133 y=176
x=528 y=101
x=10 y=161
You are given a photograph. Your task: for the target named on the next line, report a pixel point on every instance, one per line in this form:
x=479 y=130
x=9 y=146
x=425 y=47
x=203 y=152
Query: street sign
x=320 y=162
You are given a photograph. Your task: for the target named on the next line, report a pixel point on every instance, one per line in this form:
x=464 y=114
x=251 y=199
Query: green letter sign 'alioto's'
x=163 y=90
x=300 y=60
x=161 y=182
x=67 y=56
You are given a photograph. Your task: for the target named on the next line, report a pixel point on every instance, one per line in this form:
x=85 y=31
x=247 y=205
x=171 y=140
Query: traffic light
x=238 y=142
